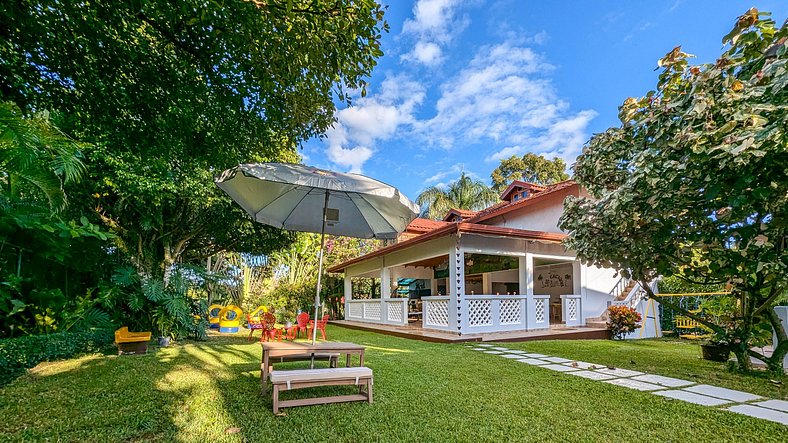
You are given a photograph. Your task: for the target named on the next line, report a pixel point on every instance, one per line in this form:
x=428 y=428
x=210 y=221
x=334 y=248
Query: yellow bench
x=691 y=329
x=131 y=342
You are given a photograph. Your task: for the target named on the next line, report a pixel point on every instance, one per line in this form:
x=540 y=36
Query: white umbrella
x=292 y=197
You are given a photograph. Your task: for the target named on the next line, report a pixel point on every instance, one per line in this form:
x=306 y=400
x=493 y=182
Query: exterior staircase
x=623 y=289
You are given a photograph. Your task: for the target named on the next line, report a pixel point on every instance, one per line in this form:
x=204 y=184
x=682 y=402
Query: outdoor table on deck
x=306 y=350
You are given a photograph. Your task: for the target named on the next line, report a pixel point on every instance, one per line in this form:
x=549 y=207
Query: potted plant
x=717 y=348
x=165 y=325
x=722 y=311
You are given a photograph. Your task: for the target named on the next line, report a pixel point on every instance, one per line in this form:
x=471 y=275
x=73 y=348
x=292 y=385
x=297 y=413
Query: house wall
x=598 y=284
x=541 y=216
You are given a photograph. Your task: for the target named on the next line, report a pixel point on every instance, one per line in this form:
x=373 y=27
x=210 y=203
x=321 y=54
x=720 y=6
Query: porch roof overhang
x=455 y=229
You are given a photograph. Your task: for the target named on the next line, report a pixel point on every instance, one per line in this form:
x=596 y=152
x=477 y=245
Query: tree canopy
x=531 y=168
x=465 y=193
x=693 y=182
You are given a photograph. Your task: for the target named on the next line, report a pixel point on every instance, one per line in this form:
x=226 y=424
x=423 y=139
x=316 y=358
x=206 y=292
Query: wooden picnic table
x=304 y=351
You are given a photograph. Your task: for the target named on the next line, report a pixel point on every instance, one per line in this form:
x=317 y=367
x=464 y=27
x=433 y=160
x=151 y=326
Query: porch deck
x=558 y=332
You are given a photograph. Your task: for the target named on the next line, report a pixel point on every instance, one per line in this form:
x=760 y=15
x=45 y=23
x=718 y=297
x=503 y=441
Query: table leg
x=361 y=358
x=347 y=362
x=264 y=373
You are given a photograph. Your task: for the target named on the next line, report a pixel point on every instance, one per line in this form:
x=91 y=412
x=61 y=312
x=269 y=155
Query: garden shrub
x=21 y=353
x=623 y=320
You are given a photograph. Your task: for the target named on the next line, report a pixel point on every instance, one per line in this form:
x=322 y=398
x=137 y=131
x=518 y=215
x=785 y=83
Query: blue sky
x=463 y=84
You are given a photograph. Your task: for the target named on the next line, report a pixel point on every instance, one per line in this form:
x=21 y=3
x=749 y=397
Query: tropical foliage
x=465 y=193
x=622 y=320
x=531 y=168
x=162 y=97
x=693 y=182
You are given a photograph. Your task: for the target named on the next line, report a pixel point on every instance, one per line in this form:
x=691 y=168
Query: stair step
x=596 y=324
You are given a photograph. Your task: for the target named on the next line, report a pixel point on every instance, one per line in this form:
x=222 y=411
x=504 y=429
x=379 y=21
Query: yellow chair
x=230 y=319
x=213 y=315
x=691 y=329
x=258 y=312
x=131 y=342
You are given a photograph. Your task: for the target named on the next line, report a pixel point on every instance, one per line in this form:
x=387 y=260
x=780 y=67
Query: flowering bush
x=622 y=320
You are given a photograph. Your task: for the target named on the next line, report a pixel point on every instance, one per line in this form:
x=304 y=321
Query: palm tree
x=36 y=155
x=465 y=193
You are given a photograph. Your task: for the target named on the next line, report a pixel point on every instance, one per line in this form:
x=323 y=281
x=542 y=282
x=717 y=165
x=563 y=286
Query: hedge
x=21 y=353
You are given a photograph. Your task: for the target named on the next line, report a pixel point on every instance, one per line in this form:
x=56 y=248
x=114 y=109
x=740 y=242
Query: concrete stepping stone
x=557 y=359
x=757 y=412
x=533 y=361
x=779 y=405
x=484 y=345
x=511 y=356
x=725 y=394
x=536 y=355
x=634 y=384
x=493 y=352
x=669 y=382
x=478 y=349
x=560 y=368
x=619 y=372
x=591 y=375
x=498 y=348
x=584 y=365
x=691 y=397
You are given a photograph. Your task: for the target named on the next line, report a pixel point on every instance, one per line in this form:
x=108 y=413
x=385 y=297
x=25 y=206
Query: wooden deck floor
x=558 y=332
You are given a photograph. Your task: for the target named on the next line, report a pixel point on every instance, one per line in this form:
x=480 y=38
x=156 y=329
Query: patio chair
x=302 y=322
x=270 y=331
x=321 y=326
x=254 y=325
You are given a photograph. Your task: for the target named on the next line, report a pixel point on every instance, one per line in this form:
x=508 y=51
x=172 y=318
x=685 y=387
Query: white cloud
x=434 y=24
x=505 y=97
x=350 y=141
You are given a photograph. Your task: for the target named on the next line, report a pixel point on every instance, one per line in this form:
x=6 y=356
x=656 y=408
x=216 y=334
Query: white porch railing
x=435 y=312
x=572 y=309
x=386 y=311
x=494 y=313
x=538 y=312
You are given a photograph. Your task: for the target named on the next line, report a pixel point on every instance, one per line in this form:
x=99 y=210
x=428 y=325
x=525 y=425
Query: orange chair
x=321 y=326
x=302 y=322
x=254 y=325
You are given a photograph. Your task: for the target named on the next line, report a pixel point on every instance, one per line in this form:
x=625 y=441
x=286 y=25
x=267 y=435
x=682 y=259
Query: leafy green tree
x=693 y=183
x=531 y=168
x=465 y=193
x=169 y=94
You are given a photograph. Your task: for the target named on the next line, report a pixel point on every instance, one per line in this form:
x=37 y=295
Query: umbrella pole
x=320 y=268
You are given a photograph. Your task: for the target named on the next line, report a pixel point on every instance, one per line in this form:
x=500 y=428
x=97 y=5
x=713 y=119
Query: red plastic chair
x=270 y=331
x=302 y=323
x=321 y=326
x=254 y=325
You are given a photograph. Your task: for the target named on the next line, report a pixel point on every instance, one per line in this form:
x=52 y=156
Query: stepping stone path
x=668 y=387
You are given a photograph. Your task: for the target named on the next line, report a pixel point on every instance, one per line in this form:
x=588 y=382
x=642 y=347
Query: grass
x=196 y=392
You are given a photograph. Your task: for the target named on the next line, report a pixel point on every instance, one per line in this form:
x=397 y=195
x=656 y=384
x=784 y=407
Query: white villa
x=501 y=269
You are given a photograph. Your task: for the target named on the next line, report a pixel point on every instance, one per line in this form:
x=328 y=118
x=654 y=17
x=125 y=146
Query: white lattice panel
x=540 y=311
x=372 y=311
x=394 y=311
x=571 y=309
x=437 y=313
x=510 y=312
x=354 y=310
x=479 y=312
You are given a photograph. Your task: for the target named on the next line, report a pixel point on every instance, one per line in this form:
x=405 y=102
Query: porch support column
x=385 y=292
x=526 y=271
x=433 y=284
x=457 y=288
x=487 y=283
x=347 y=291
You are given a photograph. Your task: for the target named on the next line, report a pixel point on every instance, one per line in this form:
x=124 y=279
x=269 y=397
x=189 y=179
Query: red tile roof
x=422 y=225
x=505 y=206
x=461 y=212
x=521 y=184
x=452 y=228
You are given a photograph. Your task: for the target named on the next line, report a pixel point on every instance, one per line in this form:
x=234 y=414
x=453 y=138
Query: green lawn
x=423 y=392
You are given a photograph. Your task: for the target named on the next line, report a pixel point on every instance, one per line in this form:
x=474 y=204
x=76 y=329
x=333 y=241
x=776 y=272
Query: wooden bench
x=131 y=342
x=307 y=378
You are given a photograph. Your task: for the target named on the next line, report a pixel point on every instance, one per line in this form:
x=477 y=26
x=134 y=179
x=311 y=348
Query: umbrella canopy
x=292 y=197
x=302 y=198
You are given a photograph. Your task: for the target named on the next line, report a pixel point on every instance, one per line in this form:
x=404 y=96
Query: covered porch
x=468 y=284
